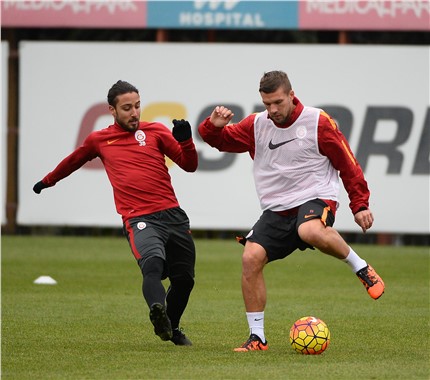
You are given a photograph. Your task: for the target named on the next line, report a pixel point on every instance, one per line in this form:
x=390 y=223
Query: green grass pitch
x=94 y=323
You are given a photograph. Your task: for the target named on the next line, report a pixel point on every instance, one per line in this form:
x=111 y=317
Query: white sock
x=256 y=324
x=354 y=261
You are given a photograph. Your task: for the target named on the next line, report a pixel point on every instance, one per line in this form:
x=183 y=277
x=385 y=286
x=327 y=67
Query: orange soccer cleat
x=254 y=343
x=372 y=282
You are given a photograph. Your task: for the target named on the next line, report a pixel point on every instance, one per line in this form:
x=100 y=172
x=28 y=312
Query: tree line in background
x=238 y=36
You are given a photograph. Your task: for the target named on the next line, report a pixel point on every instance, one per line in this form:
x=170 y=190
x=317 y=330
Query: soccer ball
x=309 y=336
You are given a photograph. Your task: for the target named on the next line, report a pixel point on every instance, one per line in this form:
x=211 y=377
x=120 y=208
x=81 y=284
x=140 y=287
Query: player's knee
x=152 y=267
x=253 y=259
x=312 y=233
x=184 y=281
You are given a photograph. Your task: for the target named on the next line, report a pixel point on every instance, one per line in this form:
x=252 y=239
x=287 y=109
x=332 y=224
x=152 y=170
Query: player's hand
x=364 y=219
x=221 y=116
x=39 y=186
x=181 y=130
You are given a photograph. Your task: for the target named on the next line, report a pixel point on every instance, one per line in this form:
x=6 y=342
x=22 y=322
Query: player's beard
x=282 y=117
x=130 y=126
x=279 y=119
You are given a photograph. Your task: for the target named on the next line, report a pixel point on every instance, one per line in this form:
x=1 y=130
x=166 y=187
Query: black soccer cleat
x=241 y=240
x=161 y=322
x=180 y=339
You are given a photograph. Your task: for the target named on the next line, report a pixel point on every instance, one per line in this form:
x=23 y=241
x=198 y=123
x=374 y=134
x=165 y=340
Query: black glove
x=38 y=187
x=181 y=130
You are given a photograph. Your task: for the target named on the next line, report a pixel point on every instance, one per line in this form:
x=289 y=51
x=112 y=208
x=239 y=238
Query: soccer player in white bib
x=299 y=154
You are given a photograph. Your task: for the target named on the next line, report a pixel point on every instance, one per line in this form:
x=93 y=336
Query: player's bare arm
x=364 y=219
x=221 y=116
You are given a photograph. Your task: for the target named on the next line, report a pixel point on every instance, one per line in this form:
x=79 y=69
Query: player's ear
x=112 y=110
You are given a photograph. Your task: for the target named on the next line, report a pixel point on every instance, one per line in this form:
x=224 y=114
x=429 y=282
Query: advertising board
x=232 y=14
x=379 y=96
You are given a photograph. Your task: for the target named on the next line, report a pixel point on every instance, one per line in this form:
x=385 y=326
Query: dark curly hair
x=119 y=88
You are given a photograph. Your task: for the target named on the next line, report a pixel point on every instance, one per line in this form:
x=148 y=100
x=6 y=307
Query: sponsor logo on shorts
x=141 y=225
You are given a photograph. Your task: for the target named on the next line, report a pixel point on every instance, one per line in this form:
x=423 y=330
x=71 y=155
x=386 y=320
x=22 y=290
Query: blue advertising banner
x=222 y=14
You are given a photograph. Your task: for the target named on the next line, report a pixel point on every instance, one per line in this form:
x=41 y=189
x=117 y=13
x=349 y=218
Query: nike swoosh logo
x=274 y=146
x=309 y=216
x=112 y=141
x=257 y=319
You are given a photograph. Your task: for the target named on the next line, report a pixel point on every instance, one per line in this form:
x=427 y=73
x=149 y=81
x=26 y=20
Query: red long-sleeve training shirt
x=239 y=138
x=135 y=165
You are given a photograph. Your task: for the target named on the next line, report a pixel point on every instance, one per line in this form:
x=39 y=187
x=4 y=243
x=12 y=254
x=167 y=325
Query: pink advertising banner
x=301 y=15
x=365 y=15
x=74 y=14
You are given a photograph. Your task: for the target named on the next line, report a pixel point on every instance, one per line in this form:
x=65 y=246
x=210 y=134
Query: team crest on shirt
x=301 y=132
x=140 y=137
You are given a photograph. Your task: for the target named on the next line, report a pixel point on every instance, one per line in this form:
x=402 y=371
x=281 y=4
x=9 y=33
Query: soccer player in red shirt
x=298 y=155
x=157 y=229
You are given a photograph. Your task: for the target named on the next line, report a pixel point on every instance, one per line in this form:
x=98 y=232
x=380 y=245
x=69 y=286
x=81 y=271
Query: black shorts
x=165 y=234
x=278 y=235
